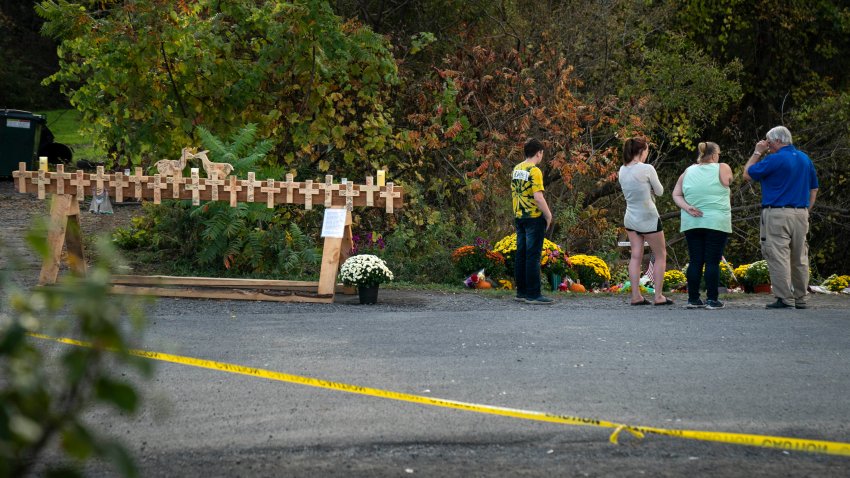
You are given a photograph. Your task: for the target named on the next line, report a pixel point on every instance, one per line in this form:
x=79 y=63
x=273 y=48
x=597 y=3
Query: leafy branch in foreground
x=46 y=390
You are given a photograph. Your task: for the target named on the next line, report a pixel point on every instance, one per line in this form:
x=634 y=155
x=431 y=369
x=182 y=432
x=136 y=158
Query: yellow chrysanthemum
x=836 y=283
x=592 y=270
x=507 y=246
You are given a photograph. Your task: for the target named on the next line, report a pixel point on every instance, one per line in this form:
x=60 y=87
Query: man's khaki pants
x=783 y=245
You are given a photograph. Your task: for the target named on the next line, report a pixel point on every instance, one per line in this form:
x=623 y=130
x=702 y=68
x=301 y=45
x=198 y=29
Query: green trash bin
x=20 y=133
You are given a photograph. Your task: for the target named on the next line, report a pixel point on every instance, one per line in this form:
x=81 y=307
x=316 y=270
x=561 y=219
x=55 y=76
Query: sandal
x=643 y=302
x=667 y=301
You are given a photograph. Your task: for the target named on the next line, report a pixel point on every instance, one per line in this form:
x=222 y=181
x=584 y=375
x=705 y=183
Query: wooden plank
x=59 y=208
x=331 y=253
x=220 y=294
x=208 y=281
x=217 y=282
x=74 y=240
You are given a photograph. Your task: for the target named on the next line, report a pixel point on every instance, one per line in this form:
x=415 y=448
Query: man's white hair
x=781 y=134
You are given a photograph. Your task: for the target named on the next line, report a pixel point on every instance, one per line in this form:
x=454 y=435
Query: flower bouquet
x=836 y=283
x=366 y=272
x=555 y=265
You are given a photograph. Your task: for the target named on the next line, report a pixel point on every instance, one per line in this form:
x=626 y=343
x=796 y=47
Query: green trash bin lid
x=20 y=132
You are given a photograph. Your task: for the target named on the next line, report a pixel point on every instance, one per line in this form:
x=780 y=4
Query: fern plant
x=249 y=239
x=243 y=150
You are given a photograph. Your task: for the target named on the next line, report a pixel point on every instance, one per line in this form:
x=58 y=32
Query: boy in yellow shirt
x=532 y=219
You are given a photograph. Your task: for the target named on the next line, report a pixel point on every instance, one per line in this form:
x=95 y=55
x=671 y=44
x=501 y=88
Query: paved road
x=743 y=369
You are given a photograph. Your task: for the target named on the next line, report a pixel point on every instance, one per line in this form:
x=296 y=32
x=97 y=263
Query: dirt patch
x=20 y=212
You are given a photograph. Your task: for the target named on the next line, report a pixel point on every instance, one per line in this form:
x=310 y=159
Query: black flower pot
x=368 y=295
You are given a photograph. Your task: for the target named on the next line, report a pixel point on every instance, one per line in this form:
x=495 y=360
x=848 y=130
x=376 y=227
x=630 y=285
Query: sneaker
x=695 y=304
x=520 y=298
x=778 y=305
x=800 y=304
x=540 y=301
x=714 y=304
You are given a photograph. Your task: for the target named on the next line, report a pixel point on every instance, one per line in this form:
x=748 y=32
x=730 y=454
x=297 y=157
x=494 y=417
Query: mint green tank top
x=702 y=189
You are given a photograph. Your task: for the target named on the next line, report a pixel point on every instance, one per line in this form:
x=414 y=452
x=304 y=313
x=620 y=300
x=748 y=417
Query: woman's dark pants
x=705 y=247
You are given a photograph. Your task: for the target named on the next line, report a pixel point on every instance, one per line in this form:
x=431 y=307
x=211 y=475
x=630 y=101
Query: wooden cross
x=22 y=178
x=41 y=180
x=349 y=193
x=390 y=195
x=99 y=178
x=308 y=193
x=214 y=183
x=289 y=185
x=329 y=188
x=120 y=183
x=175 y=181
x=157 y=187
x=136 y=179
x=196 y=187
x=370 y=189
x=234 y=187
x=251 y=183
x=270 y=191
x=80 y=182
x=61 y=176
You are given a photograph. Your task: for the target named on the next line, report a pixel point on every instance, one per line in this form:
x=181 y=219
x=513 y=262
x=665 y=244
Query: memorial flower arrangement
x=726 y=274
x=365 y=270
x=507 y=247
x=469 y=259
x=740 y=272
x=836 y=283
x=555 y=262
x=591 y=270
x=674 y=279
x=757 y=274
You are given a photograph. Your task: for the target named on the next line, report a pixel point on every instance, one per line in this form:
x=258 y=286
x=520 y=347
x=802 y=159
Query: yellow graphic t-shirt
x=525 y=181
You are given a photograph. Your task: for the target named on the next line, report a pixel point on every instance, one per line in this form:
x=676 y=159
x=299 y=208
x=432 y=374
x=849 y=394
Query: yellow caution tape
x=764 y=441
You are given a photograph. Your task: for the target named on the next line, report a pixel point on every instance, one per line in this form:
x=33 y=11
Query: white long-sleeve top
x=639 y=181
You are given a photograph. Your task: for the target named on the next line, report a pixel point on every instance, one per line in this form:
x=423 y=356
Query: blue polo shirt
x=786 y=176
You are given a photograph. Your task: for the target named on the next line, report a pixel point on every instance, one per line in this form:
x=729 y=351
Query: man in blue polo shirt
x=789 y=186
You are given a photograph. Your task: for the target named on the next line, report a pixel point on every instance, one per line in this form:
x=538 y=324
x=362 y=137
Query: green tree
x=791 y=52
x=146 y=73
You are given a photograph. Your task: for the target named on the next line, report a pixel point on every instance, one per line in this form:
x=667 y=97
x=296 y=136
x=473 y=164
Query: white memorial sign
x=334 y=223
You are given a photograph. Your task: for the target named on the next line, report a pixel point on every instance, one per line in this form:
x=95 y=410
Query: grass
x=65 y=126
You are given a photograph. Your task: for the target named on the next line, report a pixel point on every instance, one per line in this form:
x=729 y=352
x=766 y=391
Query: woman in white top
x=639 y=180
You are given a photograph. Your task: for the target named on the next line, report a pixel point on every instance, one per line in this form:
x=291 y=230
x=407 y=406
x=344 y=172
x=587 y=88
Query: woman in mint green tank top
x=702 y=192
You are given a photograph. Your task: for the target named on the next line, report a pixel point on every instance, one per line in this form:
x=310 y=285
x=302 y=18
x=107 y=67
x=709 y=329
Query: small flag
x=649 y=270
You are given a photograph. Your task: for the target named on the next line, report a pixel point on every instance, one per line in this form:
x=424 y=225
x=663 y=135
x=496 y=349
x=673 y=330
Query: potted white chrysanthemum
x=366 y=272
